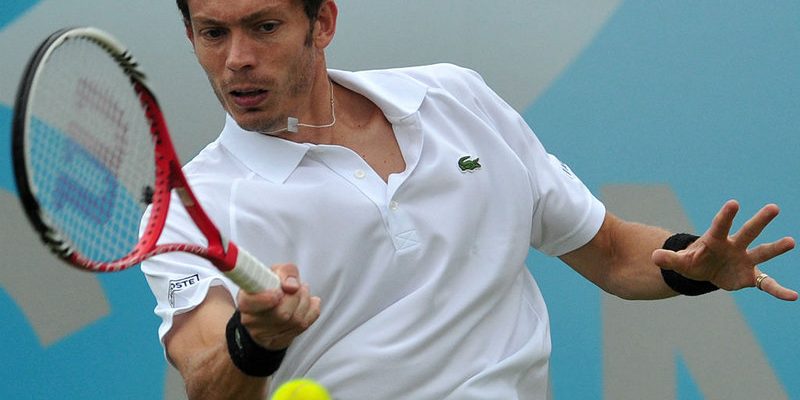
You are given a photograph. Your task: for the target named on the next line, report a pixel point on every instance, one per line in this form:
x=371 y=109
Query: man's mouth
x=247 y=92
x=248 y=98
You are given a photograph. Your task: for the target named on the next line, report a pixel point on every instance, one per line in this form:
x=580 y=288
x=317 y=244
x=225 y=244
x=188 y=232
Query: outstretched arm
x=625 y=258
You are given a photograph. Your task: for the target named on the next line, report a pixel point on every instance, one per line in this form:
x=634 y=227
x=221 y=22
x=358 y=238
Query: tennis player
x=398 y=207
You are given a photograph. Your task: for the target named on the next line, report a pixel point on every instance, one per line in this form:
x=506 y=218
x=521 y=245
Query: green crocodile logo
x=468 y=165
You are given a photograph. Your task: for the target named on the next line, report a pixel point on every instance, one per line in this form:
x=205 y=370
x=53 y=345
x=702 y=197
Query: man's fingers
x=771 y=286
x=668 y=259
x=287 y=314
x=664 y=258
x=314 y=310
x=287 y=321
x=722 y=222
x=765 y=252
x=298 y=313
x=306 y=314
x=275 y=317
x=755 y=225
x=290 y=277
x=257 y=303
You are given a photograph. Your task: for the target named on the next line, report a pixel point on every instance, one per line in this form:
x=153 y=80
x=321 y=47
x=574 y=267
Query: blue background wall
x=703 y=96
x=699 y=96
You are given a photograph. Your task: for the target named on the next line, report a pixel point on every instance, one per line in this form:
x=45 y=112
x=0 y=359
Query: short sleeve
x=566 y=214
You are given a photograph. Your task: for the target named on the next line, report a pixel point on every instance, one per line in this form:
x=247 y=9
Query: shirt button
x=394 y=205
x=359 y=174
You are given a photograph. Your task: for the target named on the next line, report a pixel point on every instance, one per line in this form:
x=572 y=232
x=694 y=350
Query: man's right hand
x=275 y=317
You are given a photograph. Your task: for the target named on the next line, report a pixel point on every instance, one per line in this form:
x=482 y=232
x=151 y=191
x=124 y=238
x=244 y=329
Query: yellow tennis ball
x=301 y=389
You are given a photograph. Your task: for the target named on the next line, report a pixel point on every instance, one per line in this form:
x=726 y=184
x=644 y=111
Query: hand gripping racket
x=91 y=152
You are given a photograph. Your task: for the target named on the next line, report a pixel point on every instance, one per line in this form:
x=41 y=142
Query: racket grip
x=251 y=275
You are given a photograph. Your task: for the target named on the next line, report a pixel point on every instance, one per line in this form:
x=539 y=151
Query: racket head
x=83 y=151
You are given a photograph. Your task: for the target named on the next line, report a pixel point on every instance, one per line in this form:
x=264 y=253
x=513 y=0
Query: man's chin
x=254 y=124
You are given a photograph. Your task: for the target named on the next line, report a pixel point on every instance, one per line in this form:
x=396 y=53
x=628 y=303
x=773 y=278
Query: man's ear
x=325 y=25
x=189 y=32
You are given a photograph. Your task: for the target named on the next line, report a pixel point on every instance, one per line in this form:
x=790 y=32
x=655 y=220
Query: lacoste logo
x=468 y=165
x=565 y=168
x=177 y=285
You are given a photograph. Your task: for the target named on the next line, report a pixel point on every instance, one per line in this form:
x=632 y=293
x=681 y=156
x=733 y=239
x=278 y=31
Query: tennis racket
x=91 y=152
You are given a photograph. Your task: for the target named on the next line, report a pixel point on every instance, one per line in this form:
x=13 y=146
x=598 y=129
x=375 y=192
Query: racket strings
x=90 y=152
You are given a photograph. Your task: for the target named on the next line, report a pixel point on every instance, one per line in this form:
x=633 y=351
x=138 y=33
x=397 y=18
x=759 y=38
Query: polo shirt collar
x=274 y=159
x=397 y=95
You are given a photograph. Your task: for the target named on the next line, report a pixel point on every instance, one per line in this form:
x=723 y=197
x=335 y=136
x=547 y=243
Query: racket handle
x=251 y=275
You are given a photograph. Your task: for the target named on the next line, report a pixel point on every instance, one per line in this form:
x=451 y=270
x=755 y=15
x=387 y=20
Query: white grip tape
x=251 y=275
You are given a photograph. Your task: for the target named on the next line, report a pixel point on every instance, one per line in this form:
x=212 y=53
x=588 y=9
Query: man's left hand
x=726 y=260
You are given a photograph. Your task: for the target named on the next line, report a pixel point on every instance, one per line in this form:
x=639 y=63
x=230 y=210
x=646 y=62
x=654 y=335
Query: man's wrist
x=678 y=282
x=247 y=355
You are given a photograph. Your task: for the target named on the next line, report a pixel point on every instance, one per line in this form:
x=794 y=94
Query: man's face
x=258 y=55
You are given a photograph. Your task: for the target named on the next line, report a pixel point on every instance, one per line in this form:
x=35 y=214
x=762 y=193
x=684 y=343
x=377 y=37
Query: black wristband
x=678 y=282
x=246 y=354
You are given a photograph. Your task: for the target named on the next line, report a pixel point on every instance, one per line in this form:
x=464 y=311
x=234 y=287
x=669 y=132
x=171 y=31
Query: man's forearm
x=210 y=375
x=618 y=260
x=636 y=276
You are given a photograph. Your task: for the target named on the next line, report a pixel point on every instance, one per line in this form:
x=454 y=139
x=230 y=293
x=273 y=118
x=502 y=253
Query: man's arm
x=618 y=260
x=197 y=347
x=625 y=258
x=197 y=344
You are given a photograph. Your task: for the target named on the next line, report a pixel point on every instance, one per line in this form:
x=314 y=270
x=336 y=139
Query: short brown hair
x=311 y=7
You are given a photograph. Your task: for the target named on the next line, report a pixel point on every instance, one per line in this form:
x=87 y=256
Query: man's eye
x=212 y=33
x=268 y=27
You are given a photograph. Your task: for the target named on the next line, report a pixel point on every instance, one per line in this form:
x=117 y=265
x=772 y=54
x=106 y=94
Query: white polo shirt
x=425 y=292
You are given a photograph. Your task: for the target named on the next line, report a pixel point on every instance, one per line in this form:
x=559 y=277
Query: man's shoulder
x=212 y=163
x=429 y=71
x=442 y=75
